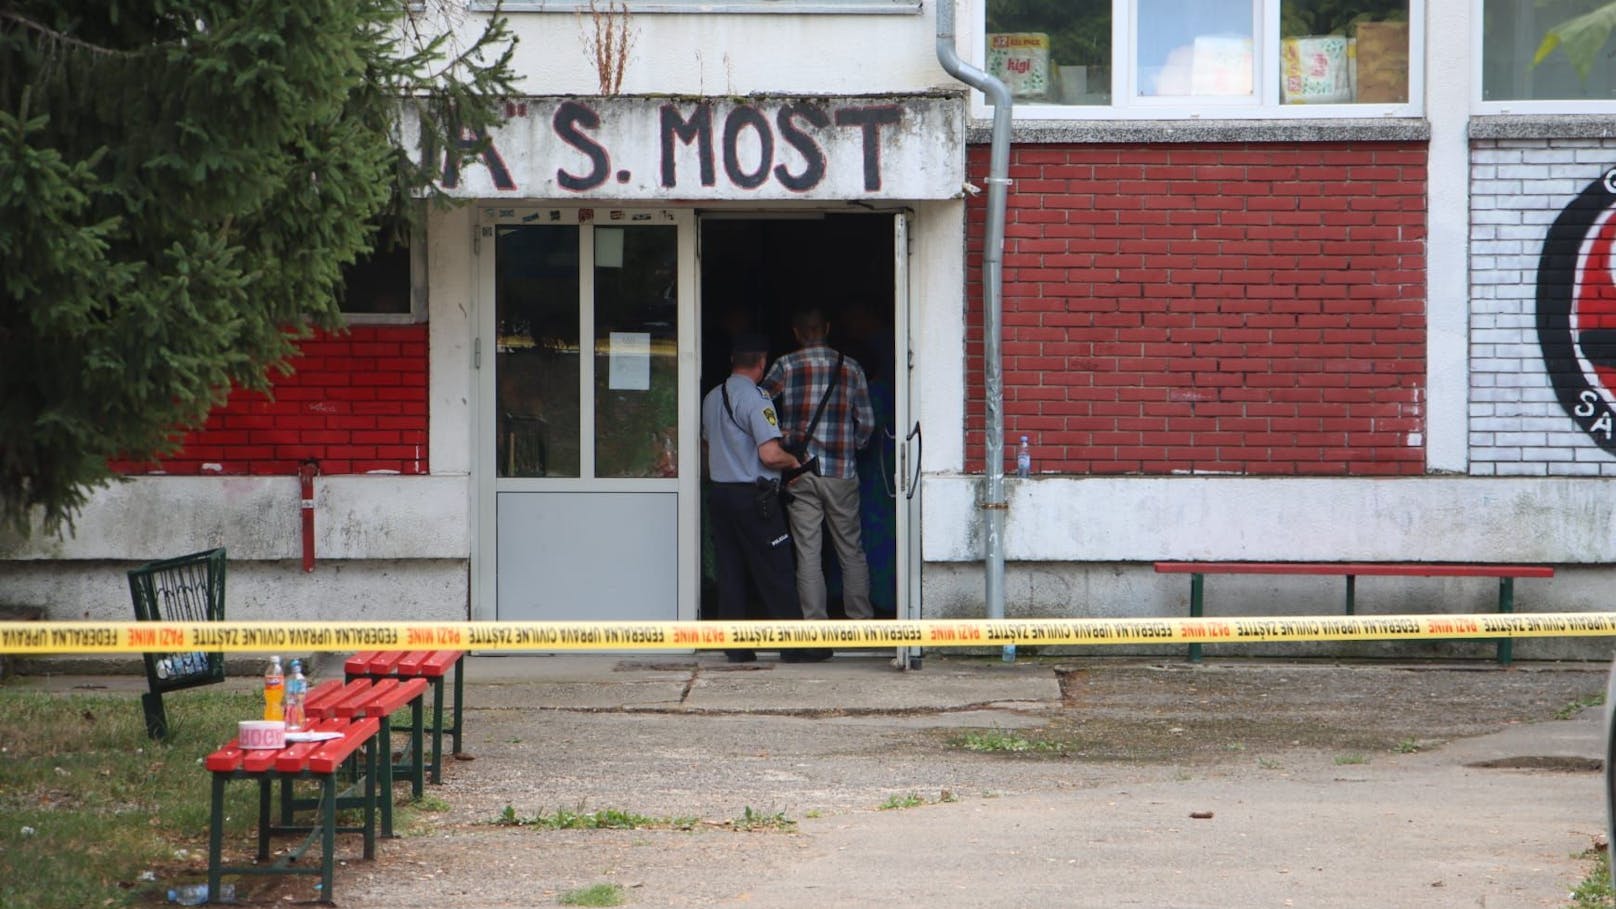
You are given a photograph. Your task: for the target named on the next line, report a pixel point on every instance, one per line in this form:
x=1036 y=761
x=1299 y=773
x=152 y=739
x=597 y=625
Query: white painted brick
x=1513 y=469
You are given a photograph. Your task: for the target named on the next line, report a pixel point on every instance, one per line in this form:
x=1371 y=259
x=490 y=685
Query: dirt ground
x=770 y=809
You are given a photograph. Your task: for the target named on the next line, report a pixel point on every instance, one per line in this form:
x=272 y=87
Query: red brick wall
x=1232 y=308
x=356 y=402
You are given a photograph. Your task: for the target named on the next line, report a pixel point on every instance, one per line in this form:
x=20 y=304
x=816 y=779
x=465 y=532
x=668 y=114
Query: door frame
x=486 y=483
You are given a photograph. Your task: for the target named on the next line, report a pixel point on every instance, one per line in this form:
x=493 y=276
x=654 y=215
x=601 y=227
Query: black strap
x=808 y=433
x=723 y=390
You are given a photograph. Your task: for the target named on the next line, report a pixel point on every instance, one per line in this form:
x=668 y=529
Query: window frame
x=1263 y=105
x=418 y=287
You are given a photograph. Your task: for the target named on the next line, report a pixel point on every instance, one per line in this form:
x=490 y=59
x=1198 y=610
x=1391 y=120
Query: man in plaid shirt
x=829 y=499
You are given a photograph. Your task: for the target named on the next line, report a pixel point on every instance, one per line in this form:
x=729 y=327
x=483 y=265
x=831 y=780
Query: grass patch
x=596 y=895
x=999 y=741
x=1595 y=891
x=94 y=813
x=1342 y=759
x=1580 y=704
x=911 y=800
x=1407 y=746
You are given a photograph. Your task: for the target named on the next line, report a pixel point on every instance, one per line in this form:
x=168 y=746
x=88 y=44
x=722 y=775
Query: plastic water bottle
x=274 y=690
x=1024 y=459
x=197 y=894
x=297 y=689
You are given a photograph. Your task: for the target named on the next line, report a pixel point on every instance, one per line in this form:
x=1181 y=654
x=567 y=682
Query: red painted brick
x=251 y=434
x=1209 y=292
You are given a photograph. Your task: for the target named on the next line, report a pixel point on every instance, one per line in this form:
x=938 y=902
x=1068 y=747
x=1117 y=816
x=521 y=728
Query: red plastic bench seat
x=1389 y=569
x=1506 y=575
x=320 y=761
x=434 y=666
x=379 y=698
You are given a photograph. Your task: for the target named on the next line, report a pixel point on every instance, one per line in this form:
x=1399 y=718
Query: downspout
x=993 y=501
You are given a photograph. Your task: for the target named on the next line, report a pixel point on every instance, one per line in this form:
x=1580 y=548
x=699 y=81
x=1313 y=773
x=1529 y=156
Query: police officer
x=741 y=437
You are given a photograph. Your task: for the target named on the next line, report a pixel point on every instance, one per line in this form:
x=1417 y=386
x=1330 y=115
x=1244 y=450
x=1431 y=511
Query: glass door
x=588 y=480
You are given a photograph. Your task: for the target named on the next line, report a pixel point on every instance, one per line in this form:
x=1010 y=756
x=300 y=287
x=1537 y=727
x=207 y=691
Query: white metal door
x=588 y=466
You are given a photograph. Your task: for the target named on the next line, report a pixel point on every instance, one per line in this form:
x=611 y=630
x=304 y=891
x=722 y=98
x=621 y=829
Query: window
x=1190 y=58
x=1580 y=66
x=389 y=285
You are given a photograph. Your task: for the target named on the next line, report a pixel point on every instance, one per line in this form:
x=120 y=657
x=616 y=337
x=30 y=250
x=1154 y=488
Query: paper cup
x=257 y=734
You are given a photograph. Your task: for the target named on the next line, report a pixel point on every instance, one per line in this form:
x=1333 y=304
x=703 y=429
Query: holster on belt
x=769 y=497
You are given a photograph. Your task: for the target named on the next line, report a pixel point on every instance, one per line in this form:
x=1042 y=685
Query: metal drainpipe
x=993 y=501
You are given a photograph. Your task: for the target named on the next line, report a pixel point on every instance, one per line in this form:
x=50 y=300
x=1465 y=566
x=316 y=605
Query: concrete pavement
x=1495 y=820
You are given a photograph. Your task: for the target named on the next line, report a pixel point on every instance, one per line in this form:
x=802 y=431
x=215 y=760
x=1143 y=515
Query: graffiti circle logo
x=1576 y=309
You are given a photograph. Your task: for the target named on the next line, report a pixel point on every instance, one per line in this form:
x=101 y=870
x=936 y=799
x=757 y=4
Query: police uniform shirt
x=732 y=444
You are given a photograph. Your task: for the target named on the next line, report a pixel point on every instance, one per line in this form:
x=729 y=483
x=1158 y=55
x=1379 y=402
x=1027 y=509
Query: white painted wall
x=1143 y=519
x=739 y=54
x=1447 y=108
x=387 y=517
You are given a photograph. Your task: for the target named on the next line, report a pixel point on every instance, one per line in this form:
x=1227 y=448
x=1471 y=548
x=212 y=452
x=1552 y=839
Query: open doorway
x=756 y=271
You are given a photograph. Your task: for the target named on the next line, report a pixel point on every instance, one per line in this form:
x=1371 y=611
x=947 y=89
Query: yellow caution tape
x=160 y=637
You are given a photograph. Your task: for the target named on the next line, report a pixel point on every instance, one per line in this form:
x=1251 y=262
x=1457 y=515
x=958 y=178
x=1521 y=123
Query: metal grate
x=185 y=589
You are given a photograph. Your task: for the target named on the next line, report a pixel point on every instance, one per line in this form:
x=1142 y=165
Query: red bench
x=1506 y=575
x=433 y=666
x=319 y=761
x=380 y=699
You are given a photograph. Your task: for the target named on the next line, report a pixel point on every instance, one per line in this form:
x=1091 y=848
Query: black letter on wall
x=871 y=119
x=568 y=117
x=804 y=144
x=700 y=125
x=739 y=119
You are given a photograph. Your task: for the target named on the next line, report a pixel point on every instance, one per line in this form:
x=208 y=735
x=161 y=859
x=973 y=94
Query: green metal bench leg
x=385 y=736
x=1197 y=591
x=1352 y=594
x=1506 y=604
x=265 y=800
x=216 y=832
x=459 y=699
x=417 y=746
x=328 y=834
x=437 y=730
x=371 y=774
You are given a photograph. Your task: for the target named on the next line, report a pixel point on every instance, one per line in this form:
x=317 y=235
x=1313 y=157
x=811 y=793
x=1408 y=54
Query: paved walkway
x=1478 y=822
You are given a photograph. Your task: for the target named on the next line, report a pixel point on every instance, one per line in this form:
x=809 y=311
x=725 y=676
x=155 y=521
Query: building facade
x=1281 y=280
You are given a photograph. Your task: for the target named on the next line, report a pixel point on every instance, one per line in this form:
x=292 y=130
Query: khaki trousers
x=821 y=504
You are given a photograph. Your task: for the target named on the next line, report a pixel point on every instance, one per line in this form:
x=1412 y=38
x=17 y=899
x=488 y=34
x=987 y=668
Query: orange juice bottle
x=274 y=690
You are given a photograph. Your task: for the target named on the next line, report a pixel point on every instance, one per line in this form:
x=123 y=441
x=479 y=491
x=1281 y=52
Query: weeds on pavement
x=755 y=820
x=1577 y=706
x=605 y=819
x=999 y=740
x=597 y=895
x=1595 y=891
x=915 y=800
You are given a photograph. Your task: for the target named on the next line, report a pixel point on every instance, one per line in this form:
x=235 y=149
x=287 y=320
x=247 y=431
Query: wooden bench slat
x=1383 y=569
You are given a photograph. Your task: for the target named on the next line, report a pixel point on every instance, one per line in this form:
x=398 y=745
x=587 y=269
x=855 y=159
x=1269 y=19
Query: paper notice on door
x=631 y=361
